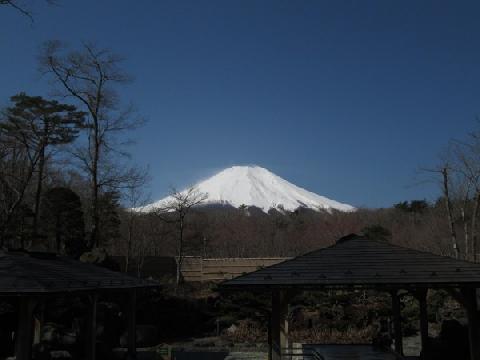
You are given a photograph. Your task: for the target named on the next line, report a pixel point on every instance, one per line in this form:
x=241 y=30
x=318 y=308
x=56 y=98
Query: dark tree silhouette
x=28 y=132
x=40 y=125
x=62 y=221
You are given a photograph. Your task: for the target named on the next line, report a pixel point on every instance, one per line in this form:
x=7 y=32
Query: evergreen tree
x=39 y=124
x=108 y=211
x=63 y=222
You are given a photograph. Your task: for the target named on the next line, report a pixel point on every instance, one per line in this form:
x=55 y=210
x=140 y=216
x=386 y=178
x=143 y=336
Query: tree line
x=225 y=231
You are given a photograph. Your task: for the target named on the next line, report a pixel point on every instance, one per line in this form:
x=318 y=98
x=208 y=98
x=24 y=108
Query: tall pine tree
x=38 y=125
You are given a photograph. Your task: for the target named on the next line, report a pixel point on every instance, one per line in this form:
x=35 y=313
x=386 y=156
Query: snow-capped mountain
x=256 y=186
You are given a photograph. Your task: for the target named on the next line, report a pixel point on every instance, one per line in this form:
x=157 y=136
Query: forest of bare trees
x=249 y=232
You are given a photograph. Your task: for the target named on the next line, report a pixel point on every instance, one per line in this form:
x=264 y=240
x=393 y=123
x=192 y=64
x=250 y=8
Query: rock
x=60 y=354
x=96 y=256
x=50 y=333
x=232 y=329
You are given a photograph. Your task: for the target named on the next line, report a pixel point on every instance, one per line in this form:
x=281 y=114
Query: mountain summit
x=256 y=186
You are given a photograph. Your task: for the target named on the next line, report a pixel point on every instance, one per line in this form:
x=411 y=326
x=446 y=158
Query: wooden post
x=91 y=327
x=275 y=326
x=397 y=322
x=39 y=322
x=422 y=299
x=24 y=335
x=132 y=325
x=470 y=300
x=279 y=324
x=269 y=337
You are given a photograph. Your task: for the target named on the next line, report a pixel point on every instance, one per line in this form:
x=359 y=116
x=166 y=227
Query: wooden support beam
x=39 y=322
x=91 y=327
x=279 y=323
x=421 y=295
x=397 y=322
x=269 y=337
x=132 y=324
x=24 y=335
x=470 y=298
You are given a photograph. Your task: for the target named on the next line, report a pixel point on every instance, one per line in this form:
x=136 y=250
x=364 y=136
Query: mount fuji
x=258 y=187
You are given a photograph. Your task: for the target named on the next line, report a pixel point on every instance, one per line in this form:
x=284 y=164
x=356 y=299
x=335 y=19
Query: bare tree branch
x=22 y=8
x=90 y=76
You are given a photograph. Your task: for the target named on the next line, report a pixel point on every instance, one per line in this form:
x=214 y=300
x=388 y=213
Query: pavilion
x=356 y=262
x=34 y=278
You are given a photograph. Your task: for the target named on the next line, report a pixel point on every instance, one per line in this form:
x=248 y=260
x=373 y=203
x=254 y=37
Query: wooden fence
x=194 y=268
x=218 y=269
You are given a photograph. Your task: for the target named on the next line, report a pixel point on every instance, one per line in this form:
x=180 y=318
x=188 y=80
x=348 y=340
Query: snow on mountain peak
x=256 y=186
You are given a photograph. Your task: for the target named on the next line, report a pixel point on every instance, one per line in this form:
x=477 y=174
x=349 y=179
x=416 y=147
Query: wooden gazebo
x=356 y=262
x=35 y=277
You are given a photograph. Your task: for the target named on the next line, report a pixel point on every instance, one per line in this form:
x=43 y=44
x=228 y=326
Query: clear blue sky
x=344 y=98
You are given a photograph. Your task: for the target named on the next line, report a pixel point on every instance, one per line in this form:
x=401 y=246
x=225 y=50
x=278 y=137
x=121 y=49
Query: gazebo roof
x=29 y=273
x=356 y=261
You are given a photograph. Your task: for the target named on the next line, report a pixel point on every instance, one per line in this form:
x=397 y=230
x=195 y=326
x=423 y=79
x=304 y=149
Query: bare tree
x=459 y=172
x=448 y=204
x=21 y=7
x=467 y=155
x=90 y=76
x=175 y=210
x=443 y=174
x=135 y=197
x=17 y=168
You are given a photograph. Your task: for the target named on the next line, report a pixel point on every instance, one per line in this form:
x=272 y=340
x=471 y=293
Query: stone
x=96 y=256
x=50 y=333
x=232 y=329
x=60 y=354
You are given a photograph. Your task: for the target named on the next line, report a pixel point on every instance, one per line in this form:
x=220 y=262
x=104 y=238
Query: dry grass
x=247 y=331
x=333 y=336
x=251 y=332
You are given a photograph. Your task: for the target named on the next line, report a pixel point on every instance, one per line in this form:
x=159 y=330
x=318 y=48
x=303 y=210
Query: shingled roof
x=24 y=273
x=360 y=262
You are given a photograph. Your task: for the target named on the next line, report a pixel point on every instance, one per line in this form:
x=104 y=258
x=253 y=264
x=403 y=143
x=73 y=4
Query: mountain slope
x=256 y=186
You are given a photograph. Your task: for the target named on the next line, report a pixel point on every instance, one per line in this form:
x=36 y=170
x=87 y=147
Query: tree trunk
x=465 y=232
x=474 y=227
x=58 y=237
x=95 y=236
x=129 y=241
x=38 y=194
x=180 y=253
x=20 y=195
x=448 y=204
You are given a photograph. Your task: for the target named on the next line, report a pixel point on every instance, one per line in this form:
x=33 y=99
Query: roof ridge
x=384 y=256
